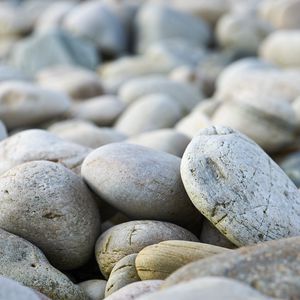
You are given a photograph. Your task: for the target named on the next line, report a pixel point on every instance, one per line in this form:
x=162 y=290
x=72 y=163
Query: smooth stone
x=166 y=140
x=148 y=113
x=112 y=245
x=22 y=261
x=53 y=47
x=13 y=290
x=78 y=83
x=94 y=288
x=158 y=22
x=85 y=133
x=211 y=235
x=291 y=166
x=102 y=110
x=160 y=260
x=140 y=182
x=8 y=72
x=239 y=188
x=36 y=144
x=24 y=104
x=95 y=21
x=278 y=261
x=64 y=218
x=122 y=274
x=184 y=94
x=3 y=131
x=270 y=122
x=209 y=288
x=282 y=48
x=135 y=289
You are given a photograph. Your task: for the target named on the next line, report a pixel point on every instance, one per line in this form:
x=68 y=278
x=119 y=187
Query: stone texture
x=3 y=132
x=94 y=288
x=50 y=206
x=291 y=166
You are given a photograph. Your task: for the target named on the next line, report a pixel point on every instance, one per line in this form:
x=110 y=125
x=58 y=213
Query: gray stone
x=3 y=132
x=291 y=166
x=50 y=206
x=94 y=288
x=239 y=188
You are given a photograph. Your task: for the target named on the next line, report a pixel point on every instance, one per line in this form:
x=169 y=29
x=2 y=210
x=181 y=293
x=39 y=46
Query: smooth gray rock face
x=131 y=237
x=51 y=48
x=239 y=188
x=3 y=132
x=122 y=274
x=134 y=290
x=94 y=288
x=8 y=72
x=155 y=23
x=36 y=144
x=291 y=166
x=22 y=261
x=271 y=267
x=148 y=113
x=209 y=288
x=50 y=206
x=25 y=104
x=140 y=182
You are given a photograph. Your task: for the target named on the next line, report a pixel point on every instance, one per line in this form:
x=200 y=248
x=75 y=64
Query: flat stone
x=94 y=288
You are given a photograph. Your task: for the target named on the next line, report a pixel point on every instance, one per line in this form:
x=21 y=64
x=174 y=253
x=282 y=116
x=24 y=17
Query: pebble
x=122 y=274
x=290 y=165
x=8 y=72
x=3 y=131
x=160 y=260
x=24 y=104
x=37 y=144
x=277 y=260
x=140 y=182
x=239 y=188
x=86 y=133
x=22 y=261
x=94 y=288
x=64 y=219
x=112 y=245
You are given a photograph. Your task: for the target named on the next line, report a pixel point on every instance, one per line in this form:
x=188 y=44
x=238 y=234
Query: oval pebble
x=94 y=288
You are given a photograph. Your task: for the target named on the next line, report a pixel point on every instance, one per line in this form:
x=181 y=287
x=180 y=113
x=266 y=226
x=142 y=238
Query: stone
x=3 y=132
x=148 y=113
x=209 y=288
x=184 y=94
x=282 y=48
x=102 y=110
x=166 y=140
x=13 y=290
x=8 y=72
x=64 y=218
x=140 y=182
x=122 y=274
x=239 y=188
x=78 y=83
x=53 y=47
x=95 y=21
x=158 y=22
x=86 y=133
x=37 y=144
x=94 y=288
x=22 y=261
x=160 y=260
x=134 y=290
x=278 y=261
x=290 y=165
x=24 y=104
x=131 y=237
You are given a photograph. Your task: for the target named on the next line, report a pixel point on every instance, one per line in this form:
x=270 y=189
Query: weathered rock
x=50 y=206
x=151 y=112
x=23 y=104
x=131 y=237
x=160 y=260
x=122 y=274
x=282 y=48
x=291 y=166
x=53 y=47
x=36 y=144
x=3 y=132
x=140 y=182
x=239 y=188
x=166 y=140
x=135 y=289
x=94 y=288
x=102 y=110
x=22 y=261
x=86 y=133
x=278 y=261
x=209 y=288
x=77 y=82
